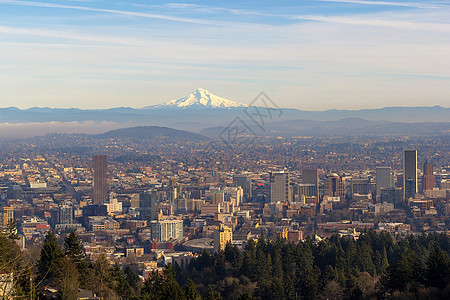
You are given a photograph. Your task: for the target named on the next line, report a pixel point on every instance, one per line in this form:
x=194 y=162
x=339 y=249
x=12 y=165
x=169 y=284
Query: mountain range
x=202 y=111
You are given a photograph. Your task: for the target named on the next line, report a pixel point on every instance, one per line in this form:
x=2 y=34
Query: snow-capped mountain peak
x=203 y=99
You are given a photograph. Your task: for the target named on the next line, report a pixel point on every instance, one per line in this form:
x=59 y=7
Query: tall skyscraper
x=309 y=177
x=147 y=205
x=384 y=179
x=428 y=179
x=100 y=172
x=234 y=195
x=334 y=187
x=280 y=189
x=409 y=173
x=245 y=183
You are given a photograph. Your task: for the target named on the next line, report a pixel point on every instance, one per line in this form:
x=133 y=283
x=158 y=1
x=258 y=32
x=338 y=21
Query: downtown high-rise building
x=166 y=230
x=428 y=179
x=63 y=214
x=384 y=179
x=334 y=186
x=222 y=236
x=310 y=177
x=147 y=205
x=245 y=182
x=280 y=189
x=409 y=173
x=6 y=215
x=100 y=173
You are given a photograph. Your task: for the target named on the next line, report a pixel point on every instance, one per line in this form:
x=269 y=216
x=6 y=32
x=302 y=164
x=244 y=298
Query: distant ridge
x=202 y=110
x=150 y=132
x=347 y=126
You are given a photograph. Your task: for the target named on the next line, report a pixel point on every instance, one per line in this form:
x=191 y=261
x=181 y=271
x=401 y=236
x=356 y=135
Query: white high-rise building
x=280 y=189
x=165 y=230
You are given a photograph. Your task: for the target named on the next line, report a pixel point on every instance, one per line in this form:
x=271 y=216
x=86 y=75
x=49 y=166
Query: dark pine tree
x=190 y=291
x=438 y=268
x=51 y=254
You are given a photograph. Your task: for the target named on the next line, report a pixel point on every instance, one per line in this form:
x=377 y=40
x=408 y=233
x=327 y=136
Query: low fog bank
x=26 y=130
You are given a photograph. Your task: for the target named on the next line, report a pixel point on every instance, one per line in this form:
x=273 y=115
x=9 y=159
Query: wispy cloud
x=70 y=36
x=113 y=11
x=385 y=3
x=320 y=51
x=390 y=23
x=211 y=9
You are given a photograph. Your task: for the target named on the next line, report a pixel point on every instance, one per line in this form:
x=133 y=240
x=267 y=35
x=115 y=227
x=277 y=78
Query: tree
x=219 y=264
x=437 y=268
x=24 y=284
x=73 y=248
x=366 y=283
x=132 y=278
x=51 y=254
x=245 y=296
x=162 y=286
x=332 y=291
x=120 y=283
x=190 y=291
x=212 y=294
x=101 y=278
x=67 y=279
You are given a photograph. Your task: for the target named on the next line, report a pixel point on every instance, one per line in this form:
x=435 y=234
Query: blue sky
x=311 y=55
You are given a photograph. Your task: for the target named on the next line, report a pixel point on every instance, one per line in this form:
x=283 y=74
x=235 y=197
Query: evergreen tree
x=190 y=291
x=162 y=286
x=212 y=294
x=67 y=279
x=51 y=254
x=120 y=283
x=132 y=278
x=73 y=248
x=219 y=265
x=101 y=278
x=438 y=269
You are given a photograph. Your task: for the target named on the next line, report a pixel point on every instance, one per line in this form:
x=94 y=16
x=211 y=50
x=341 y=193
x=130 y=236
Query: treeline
x=64 y=268
x=373 y=267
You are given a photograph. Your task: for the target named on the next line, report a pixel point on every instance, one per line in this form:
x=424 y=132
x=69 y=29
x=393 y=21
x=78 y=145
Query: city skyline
x=312 y=55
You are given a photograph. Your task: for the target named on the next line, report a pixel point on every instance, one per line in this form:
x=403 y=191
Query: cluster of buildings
x=146 y=217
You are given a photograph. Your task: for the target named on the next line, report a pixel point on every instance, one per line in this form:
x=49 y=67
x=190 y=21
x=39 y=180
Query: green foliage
x=437 y=268
x=336 y=268
x=73 y=248
x=102 y=279
x=162 y=286
x=67 y=278
x=212 y=294
x=51 y=254
x=190 y=291
x=132 y=278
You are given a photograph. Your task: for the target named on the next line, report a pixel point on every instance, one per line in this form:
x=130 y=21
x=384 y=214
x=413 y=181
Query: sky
x=305 y=54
